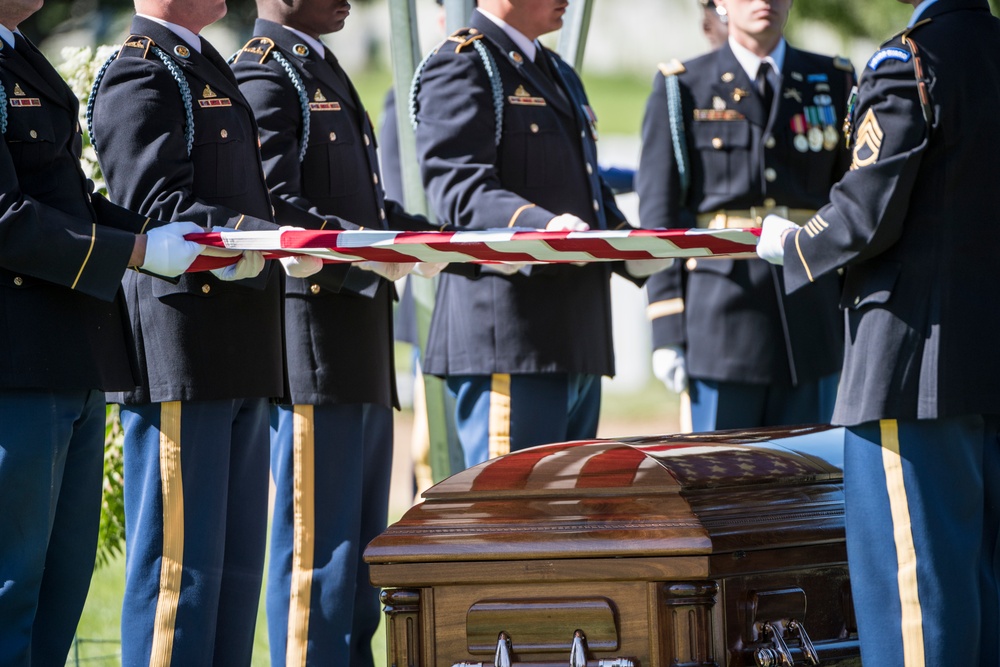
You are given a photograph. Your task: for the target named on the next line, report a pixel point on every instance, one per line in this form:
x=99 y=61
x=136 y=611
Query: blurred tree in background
x=875 y=19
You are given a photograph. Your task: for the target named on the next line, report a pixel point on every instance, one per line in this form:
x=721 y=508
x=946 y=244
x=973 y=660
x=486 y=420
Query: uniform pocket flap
x=869 y=285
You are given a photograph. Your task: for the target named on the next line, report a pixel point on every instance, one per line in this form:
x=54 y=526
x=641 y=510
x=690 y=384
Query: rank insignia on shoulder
x=672 y=68
x=868 y=143
x=523 y=97
x=891 y=53
x=257 y=48
x=136 y=46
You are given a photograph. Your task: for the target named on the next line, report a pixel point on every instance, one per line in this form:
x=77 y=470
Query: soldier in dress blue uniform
x=746 y=129
x=506 y=138
x=331 y=447
x=176 y=139
x=916 y=227
x=65 y=340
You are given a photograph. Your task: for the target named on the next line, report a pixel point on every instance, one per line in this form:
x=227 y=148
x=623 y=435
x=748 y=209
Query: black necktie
x=543 y=64
x=764 y=85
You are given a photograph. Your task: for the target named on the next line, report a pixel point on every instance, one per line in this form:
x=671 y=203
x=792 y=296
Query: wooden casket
x=719 y=549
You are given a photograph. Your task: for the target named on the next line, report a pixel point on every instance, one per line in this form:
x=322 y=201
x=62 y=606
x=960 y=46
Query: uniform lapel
x=208 y=67
x=734 y=89
x=45 y=79
x=520 y=62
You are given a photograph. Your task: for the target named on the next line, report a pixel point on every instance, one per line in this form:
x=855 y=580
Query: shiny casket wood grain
x=696 y=550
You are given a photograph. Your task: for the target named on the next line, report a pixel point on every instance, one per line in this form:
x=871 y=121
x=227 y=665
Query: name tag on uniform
x=324 y=106
x=717 y=114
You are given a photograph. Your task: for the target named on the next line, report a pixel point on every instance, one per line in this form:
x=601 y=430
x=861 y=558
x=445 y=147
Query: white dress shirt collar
x=193 y=40
x=7 y=35
x=751 y=62
x=526 y=45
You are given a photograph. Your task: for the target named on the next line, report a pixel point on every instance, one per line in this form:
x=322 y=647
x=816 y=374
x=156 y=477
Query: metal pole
x=573 y=36
x=457 y=13
x=445 y=453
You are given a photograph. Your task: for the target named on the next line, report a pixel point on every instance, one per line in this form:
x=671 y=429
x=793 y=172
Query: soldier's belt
x=752 y=217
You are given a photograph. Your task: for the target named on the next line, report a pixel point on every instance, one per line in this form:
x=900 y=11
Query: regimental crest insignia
x=17 y=90
x=208 y=93
x=868 y=142
x=209 y=98
x=319 y=96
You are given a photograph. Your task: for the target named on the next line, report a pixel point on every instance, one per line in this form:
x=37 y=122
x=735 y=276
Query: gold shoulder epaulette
x=136 y=46
x=672 y=68
x=906 y=33
x=257 y=49
x=463 y=37
x=842 y=63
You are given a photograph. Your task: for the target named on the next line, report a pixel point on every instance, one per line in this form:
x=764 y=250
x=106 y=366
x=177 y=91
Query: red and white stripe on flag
x=486 y=246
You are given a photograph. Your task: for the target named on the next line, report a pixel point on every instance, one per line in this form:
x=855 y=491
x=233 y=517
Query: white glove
x=503 y=268
x=566 y=223
x=641 y=268
x=167 y=253
x=388 y=270
x=429 y=269
x=670 y=368
x=301 y=266
x=250 y=263
x=769 y=246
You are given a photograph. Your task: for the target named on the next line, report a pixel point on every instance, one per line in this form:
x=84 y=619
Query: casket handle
x=780 y=647
x=577 y=656
x=807 y=646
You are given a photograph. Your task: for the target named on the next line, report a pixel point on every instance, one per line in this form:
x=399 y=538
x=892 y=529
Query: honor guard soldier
x=506 y=138
x=176 y=139
x=331 y=448
x=916 y=227
x=728 y=137
x=65 y=339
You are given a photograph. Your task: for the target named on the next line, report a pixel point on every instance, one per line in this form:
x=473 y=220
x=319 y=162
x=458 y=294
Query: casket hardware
x=807 y=646
x=778 y=654
x=577 y=657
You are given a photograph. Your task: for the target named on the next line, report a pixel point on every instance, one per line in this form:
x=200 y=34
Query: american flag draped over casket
x=487 y=246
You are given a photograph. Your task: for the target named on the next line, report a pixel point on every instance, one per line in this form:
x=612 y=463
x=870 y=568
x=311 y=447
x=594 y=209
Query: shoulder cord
x=677 y=134
x=182 y=83
x=496 y=86
x=300 y=88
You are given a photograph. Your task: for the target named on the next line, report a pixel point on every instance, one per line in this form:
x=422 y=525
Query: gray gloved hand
x=642 y=268
x=429 y=269
x=769 y=246
x=301 y=266
x=670 y=367
x=388 y=270
x=250 y=264
x=167 y=253
x=566 y=222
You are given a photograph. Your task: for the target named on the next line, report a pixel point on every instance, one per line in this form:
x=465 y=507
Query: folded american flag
x=486 y=246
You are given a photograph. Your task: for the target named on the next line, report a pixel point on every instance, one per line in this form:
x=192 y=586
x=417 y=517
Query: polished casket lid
x=676 y=495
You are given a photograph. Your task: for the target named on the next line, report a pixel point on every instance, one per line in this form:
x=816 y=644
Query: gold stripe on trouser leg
x=304 y=510
x=911 y=620
x=500 y=415
x=172 y=560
